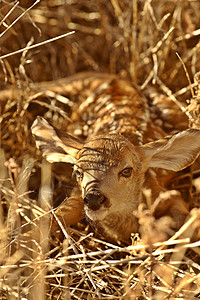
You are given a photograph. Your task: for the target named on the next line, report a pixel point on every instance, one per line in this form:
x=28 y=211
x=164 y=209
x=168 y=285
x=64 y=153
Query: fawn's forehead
x=102 y=153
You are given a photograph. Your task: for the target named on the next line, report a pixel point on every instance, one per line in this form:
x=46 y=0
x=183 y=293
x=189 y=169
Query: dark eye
x=126 y=172
x=79 y=174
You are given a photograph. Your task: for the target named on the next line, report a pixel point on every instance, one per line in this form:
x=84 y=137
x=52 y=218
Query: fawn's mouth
x=96 y=215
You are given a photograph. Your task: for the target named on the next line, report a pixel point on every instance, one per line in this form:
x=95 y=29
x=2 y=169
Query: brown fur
x=112 y=171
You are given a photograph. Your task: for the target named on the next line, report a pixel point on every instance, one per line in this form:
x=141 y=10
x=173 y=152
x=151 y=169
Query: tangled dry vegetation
x=136 y=39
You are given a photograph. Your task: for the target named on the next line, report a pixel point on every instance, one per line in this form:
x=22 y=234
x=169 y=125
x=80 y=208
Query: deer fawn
x=113 y=165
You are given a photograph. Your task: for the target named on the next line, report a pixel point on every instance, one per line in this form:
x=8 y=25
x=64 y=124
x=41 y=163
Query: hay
x=137 y=40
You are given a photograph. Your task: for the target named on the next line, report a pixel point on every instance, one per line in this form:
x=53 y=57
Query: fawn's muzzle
x=94 y=200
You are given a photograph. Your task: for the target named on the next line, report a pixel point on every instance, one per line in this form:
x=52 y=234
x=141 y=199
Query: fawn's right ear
x=56 y=146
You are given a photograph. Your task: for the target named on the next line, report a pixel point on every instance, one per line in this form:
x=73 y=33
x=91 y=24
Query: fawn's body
x=113 y=165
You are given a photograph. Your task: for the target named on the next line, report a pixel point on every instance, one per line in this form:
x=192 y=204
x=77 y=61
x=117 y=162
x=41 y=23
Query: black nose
x=94 y=200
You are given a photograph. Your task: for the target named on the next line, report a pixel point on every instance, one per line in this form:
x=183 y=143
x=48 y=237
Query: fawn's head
x=110 y=170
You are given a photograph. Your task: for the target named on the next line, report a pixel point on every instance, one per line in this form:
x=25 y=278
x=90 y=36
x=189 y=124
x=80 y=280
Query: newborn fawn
x=113 y=165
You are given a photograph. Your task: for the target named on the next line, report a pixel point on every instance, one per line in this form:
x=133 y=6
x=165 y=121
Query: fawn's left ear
x=55 y=145
x=173 y=153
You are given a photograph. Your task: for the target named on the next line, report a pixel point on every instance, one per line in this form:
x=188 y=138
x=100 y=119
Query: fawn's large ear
x=56 y=146
x=175 y=152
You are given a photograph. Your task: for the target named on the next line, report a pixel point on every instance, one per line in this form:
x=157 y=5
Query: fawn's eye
x=79 y=174
x=126 y=172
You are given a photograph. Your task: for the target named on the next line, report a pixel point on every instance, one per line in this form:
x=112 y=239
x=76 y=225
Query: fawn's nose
x=94 y=200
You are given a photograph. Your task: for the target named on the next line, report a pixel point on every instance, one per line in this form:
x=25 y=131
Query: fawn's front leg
x=69 y=212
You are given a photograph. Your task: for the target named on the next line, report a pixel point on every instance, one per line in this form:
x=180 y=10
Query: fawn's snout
x=94 y=200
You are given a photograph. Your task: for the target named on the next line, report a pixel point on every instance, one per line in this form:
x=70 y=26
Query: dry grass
x=138 y=40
